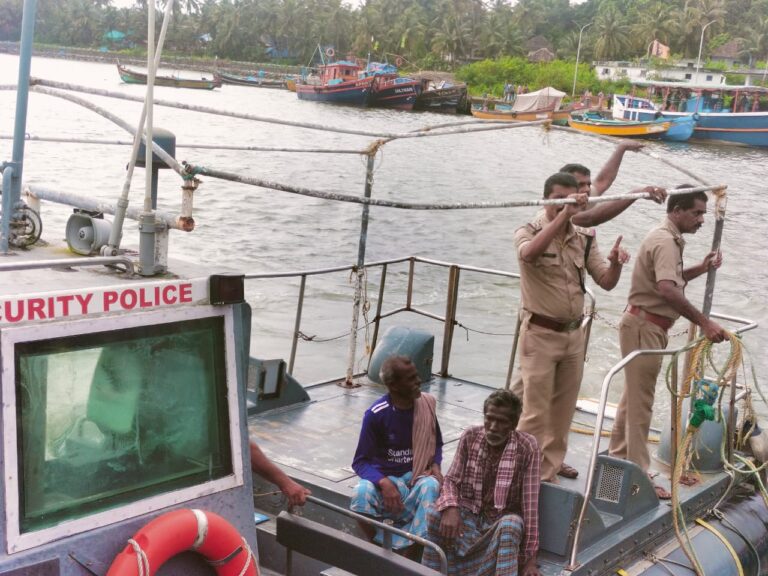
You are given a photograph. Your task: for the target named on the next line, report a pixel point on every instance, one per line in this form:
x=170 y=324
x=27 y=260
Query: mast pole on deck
x=360 y=269
x=12 y=171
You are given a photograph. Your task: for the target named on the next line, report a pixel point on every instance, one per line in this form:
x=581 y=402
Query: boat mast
x=12 y=170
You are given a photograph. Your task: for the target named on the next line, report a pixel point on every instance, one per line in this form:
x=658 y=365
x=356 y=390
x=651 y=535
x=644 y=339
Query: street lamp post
x=701 y=45
x=578 y=50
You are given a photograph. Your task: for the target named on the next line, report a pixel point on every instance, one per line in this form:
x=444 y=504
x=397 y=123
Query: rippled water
x=256 y=230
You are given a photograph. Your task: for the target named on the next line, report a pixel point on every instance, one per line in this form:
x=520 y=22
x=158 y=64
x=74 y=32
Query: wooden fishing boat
x=622 y=128
x=513 y=116
x=390 y=90
x=741 y=122
x=531 y=106
x=250 y=80
x=130 y=76
x=339 y=83
x=441 y=97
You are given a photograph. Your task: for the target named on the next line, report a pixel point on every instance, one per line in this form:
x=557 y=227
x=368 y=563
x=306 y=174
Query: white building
x=680 y=71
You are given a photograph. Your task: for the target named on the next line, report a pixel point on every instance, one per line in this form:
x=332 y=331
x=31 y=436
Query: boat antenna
x=12 y=170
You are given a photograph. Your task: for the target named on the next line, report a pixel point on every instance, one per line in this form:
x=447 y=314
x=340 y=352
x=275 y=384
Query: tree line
x=435 y=34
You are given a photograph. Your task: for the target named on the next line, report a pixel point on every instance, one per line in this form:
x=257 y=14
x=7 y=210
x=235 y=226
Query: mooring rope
x=167 y=158
x=427 y=131
x=232 y=177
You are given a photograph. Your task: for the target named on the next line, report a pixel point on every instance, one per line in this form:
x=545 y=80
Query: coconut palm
x=612 y=34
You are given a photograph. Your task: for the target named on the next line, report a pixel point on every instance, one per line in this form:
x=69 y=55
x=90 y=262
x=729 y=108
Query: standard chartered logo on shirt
x=400 y=456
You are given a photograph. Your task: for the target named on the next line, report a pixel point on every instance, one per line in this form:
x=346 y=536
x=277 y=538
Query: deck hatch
x=609 y=483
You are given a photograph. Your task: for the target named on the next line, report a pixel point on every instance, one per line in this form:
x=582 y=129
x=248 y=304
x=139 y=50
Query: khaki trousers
x=551 y=364
x=629 y=439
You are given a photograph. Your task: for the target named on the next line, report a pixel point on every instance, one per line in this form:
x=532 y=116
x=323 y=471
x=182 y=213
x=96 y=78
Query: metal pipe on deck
x=297 y=324
x=7 y=208
x=360 y=270
x=70 y=263
x=69 y=199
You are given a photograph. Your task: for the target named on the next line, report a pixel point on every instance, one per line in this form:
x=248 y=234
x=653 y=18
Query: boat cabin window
x=108 y=418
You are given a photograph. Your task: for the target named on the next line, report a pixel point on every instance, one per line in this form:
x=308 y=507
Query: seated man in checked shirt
x=487 y=518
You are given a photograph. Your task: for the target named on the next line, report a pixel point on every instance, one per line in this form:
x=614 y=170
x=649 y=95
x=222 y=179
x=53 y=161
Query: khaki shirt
x=660 y=257
x=551 y=285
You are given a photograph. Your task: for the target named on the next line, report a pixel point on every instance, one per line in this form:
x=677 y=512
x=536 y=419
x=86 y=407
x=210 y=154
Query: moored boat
x=128 y=400
x=441 y=96
x=538 y=105
x=390 y=90
x=130 y=76
x=338 y=83
x=250 y=80
x=723 y=114
x=596 y=124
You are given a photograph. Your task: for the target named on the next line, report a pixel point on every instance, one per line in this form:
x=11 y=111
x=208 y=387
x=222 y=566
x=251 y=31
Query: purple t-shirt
x=385 y=445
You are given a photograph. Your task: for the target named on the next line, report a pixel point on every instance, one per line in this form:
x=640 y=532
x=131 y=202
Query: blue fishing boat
x=724 y=114
x=339 y=83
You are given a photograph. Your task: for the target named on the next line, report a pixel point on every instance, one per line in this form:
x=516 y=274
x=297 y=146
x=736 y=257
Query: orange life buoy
x=330 y=52
x=398 y=61
x=203 y=532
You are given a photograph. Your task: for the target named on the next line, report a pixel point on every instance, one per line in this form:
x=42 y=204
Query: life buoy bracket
x=206 y=533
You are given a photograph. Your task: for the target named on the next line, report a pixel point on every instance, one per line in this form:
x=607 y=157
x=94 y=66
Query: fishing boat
x=441 y=96
x=129 y=392
x=338 y=83
x=250 y=80
x=596 y=124
x=723 y=114
x=538 y=105
x=389 y=89
x=130 y=76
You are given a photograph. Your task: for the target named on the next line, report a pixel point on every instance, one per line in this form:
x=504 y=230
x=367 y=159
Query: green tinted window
x=111 y=418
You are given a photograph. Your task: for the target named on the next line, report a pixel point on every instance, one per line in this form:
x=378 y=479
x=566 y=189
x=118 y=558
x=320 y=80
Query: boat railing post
x=513 y=352
x=379 y=305
x=360 y=269
x=409 y=293
x=675 y=407
x=720 y=204
x=450 y=317
x=297 y=324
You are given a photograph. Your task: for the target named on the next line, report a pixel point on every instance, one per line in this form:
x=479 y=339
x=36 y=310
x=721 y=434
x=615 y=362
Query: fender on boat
x=744 y=526
x=203 y=532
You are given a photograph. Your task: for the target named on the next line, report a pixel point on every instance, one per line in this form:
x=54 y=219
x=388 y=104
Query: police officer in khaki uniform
x=554 y=258
x=656 y=300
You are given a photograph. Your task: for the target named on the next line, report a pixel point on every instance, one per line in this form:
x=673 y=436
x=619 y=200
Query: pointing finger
x=618 y=242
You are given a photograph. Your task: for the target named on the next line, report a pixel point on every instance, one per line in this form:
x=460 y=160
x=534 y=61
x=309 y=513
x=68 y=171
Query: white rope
x=141 y=558
x=202 y=528
x=248 y=559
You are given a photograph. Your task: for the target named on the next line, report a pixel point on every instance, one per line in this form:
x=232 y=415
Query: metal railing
x=386 y=528
x=449 y=319
x=747 y=325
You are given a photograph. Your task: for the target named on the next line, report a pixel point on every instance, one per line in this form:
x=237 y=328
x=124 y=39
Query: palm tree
x=612 y=34
x=656 y=22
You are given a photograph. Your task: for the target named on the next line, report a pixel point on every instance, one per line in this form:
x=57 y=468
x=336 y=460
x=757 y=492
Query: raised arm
x=610 y=170
x=605 y=211
x=534 y=248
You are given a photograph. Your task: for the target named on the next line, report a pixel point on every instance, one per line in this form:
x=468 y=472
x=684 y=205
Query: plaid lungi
x=482 y=549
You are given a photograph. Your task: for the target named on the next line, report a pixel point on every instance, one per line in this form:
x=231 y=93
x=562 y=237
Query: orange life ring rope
x=203 y=532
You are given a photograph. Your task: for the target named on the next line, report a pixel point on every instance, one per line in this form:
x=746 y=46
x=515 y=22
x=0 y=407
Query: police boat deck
x=312 y=433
